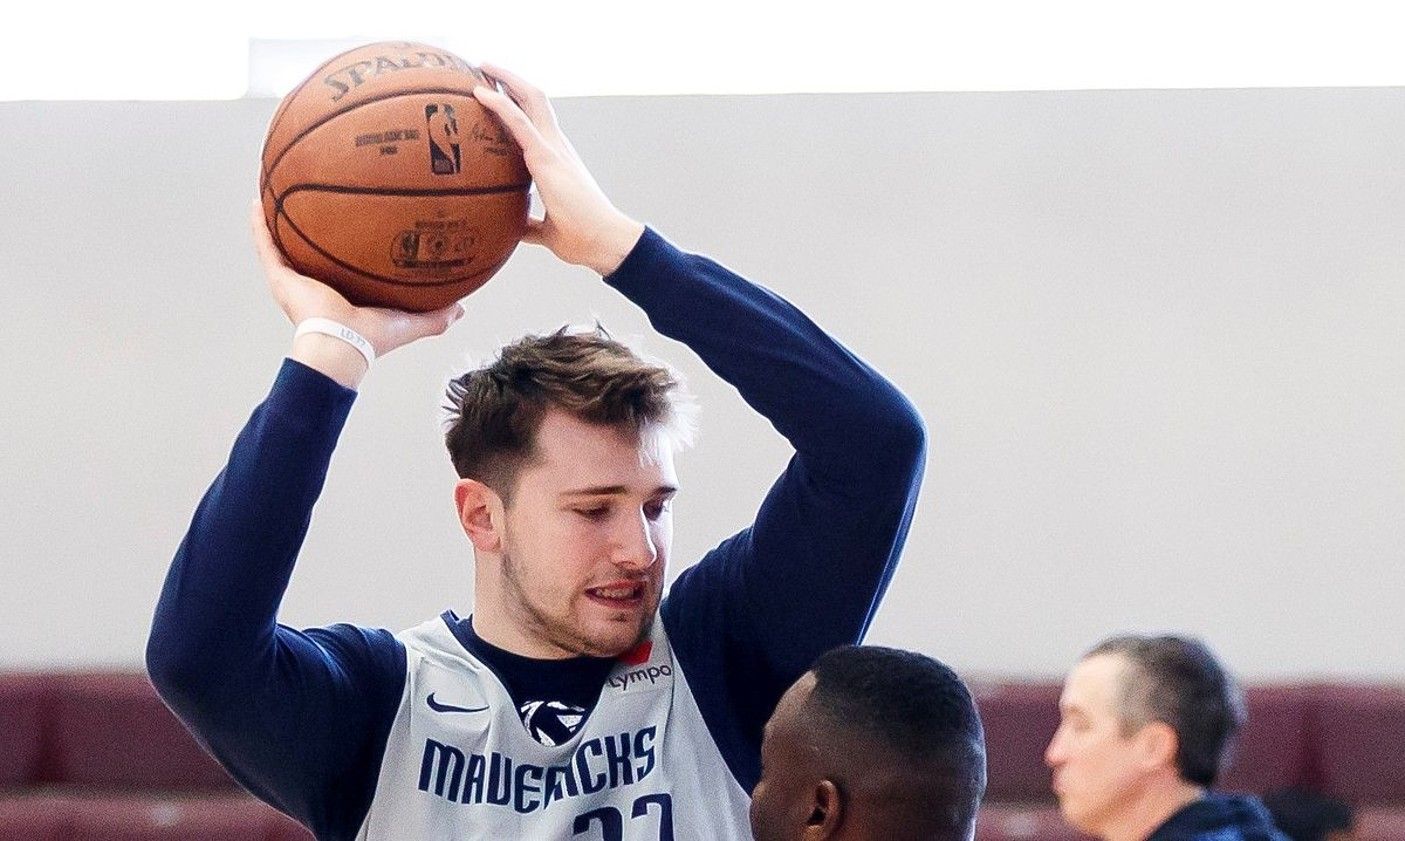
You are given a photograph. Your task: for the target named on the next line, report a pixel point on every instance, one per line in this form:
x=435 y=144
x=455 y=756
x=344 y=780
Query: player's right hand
x=302 y=297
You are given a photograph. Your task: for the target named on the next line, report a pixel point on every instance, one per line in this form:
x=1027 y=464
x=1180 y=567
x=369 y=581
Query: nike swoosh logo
x=450 y=708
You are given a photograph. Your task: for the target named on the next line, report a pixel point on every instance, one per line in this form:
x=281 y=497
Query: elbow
x=164 y=666
x=170 y=666
x=903 y=435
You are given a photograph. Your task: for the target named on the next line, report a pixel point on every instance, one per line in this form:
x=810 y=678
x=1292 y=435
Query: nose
x=1054 y=753
x=634 y=544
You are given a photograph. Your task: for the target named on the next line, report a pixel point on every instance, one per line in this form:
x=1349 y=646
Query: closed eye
x=1075 y=723
x=597 y=513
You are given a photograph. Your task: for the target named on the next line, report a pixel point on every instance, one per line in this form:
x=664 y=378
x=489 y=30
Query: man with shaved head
x=872 y=742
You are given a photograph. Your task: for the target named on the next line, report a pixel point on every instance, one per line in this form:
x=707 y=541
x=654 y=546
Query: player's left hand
x=580 y=225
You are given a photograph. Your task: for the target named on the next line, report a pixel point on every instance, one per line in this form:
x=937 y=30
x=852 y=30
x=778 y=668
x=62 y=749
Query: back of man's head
x=873 y=742
x=1177 y=680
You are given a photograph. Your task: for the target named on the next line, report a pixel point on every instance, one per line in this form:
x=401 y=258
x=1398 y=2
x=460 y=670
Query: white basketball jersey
x=460 y=764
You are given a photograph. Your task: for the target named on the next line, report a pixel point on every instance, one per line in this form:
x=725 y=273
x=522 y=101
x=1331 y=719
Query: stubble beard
x=558 y=632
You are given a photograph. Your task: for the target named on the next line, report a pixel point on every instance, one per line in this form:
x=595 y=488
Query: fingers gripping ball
x=383 y=177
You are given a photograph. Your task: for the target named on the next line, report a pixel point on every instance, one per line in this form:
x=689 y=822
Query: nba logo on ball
x=446 y=245
x=443 y=140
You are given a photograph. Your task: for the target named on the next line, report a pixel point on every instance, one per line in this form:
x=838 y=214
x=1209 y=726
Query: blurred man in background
x=1146 y=724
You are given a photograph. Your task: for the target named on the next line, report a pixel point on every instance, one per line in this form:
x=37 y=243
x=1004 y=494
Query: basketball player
x=575 y=701
x=872 y=743
x=1146 y=726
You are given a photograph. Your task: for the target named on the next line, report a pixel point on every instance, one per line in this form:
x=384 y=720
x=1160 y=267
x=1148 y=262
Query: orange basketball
x=383 y=177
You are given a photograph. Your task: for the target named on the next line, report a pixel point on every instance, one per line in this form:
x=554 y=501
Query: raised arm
x=808 y=573
x=298 y=717
x=753 y=615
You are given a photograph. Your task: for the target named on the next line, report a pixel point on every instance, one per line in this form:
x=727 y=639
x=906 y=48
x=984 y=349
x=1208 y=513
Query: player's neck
x=507 y=633
x=498 y=625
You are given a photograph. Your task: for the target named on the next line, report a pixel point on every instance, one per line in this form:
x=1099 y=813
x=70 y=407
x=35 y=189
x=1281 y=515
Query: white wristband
x=328 y=327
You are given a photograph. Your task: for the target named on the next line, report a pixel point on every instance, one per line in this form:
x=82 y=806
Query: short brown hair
x=496 y=410
x=1177 y=681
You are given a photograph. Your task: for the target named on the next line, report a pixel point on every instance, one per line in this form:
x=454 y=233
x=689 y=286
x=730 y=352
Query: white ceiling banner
x=146 y=49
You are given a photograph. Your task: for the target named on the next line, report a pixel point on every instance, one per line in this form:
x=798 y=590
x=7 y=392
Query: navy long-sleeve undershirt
x=301 y=718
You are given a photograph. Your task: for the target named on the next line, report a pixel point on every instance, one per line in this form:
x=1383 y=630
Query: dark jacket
x=1220 y=817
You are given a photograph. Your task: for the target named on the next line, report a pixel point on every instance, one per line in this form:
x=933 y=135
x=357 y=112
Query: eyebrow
x=616 y=490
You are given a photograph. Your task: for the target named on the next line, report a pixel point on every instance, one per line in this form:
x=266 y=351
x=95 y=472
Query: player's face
x=783 y=800
x=587 y=536
x=1096 y=772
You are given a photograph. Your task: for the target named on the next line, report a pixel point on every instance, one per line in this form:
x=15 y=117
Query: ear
x=828 y=813
x=480 y=514
x=1158 y=745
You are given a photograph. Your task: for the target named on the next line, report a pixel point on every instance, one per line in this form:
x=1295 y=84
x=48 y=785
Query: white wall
x=1157 y=337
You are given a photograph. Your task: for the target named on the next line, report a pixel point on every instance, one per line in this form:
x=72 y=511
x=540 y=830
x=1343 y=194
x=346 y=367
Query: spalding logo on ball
x=384 y=178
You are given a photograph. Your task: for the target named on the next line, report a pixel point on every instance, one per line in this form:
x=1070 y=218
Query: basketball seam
x=268 y=173
x=396 y=191
x=391 y=280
